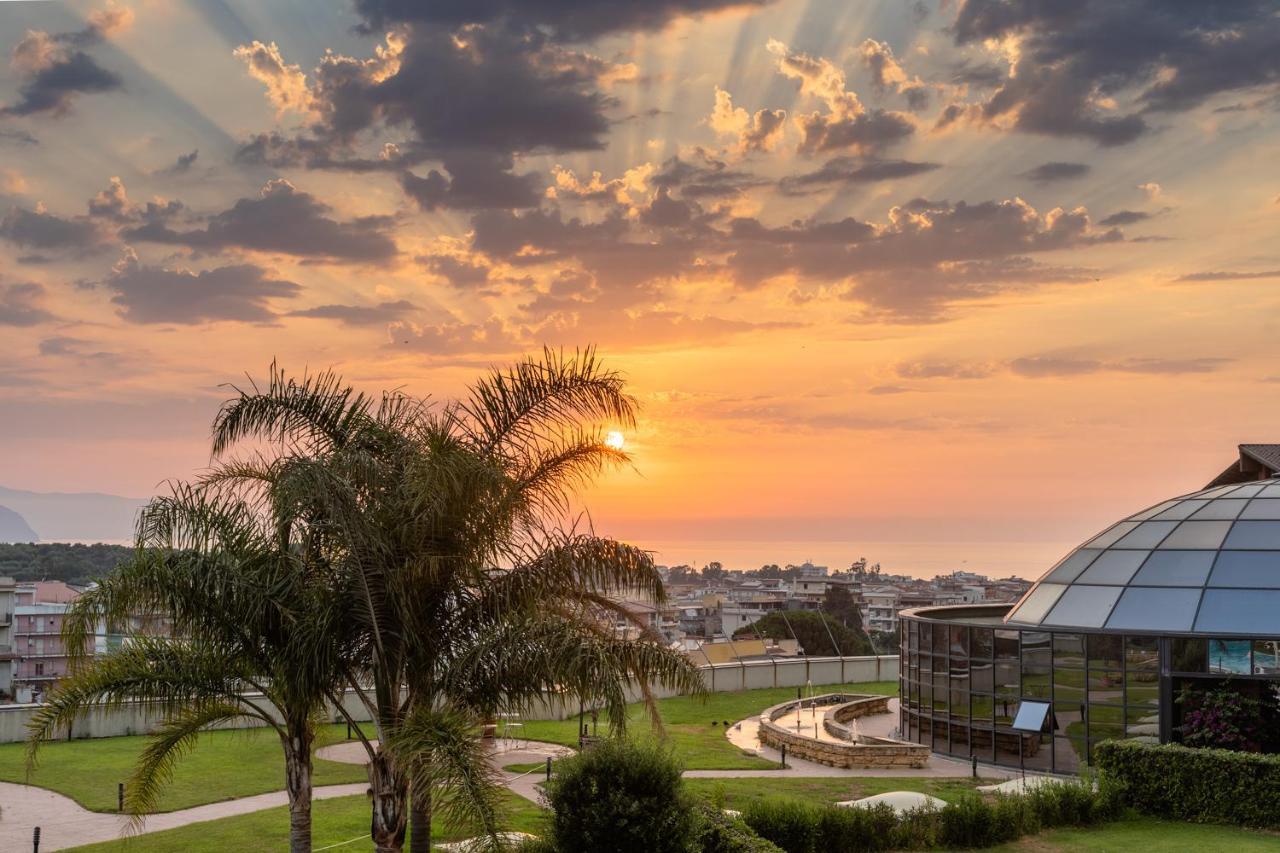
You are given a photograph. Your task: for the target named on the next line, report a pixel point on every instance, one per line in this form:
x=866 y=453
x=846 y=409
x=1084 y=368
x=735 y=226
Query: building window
x=39 y=669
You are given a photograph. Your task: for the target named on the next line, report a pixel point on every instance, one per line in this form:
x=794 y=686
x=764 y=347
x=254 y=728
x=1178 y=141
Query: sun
x=615 y=440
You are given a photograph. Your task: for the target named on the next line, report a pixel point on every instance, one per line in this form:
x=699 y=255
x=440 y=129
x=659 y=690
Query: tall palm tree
x=470 y=592
x=253 y=637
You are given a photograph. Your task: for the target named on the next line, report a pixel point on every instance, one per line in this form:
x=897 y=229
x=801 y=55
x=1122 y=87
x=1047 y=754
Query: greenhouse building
x=1181 y=596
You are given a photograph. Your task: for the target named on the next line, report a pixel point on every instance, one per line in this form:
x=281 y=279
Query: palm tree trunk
x=297 y=781
x=420 y=818
x=389 y=792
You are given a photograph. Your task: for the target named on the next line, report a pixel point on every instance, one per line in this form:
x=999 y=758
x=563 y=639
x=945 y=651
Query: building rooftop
x=1204 y=563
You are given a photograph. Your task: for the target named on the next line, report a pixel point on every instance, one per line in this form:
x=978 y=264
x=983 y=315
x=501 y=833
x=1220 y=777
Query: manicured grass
x=687 y=722
x=738 y=793
x=333 y=821
x=1145 y=833
x=223 y=766
x=527 y=767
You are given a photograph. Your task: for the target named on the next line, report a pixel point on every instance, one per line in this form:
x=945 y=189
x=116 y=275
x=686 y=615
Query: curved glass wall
x=965 y=673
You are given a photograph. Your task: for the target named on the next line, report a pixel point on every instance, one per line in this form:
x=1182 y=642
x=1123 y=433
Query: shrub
x=1201 y=785
x=1225 y=717
x=855 y=830
x=790 y=824
x=1013 y=817
x=917 y=829
x=720 y=833
x=621 y=796
x=968 y=822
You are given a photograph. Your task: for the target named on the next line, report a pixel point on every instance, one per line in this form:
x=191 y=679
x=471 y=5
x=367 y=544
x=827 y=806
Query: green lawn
x=223 y=766
x=1145 y=833
x=333 y=821
x=688 y=723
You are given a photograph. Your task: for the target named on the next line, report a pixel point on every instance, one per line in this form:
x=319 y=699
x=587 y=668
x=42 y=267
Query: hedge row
x=1199 y=785
x=969 y=822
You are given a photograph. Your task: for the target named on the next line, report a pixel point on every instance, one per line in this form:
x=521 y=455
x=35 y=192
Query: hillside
x=73 y=516
x=77 y=564
x=14 y=528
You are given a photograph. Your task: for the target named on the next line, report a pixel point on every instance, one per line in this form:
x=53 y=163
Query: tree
x=469 y=589
x=839 y=604
x=815 y=631
x=246 y=598
x=713 y=571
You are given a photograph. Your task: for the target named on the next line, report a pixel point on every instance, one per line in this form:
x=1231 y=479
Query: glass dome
x=1207 y=562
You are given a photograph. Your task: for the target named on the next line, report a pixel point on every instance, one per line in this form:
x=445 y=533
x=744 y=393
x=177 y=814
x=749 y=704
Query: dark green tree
x=818 y=633
x=840 y=605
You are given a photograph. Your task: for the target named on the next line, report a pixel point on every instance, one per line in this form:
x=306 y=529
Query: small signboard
x=1032 y=717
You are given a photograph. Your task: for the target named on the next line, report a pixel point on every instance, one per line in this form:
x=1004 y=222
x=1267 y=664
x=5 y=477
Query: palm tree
x=469 y=592
x=253 y=637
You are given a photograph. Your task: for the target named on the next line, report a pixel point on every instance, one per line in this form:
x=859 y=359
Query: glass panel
x=1142 y=722
x=1190 y=655
x=1254 y=534
x=983 y=677
x=1085 y=606
x=1068 y=685
x=1007 y=644
x=1266 y=657
x=939 y=664
x=1180 y=510
x=1148 y=534
x=1114 y=567
x=1142 y=654
x=1105 y=652
x=1149 y=512
x=1039 y=752
x=939 y=640
x=1230 y=656
x=959 y=643
x=1106 y=686
x=981 y=639
x=1197 y=534
x=1249 y=491
x=1036 y=662
x=1068 y=718
x=1239 y=611
x=1142 y=688
x=1111 y=534
x=1246 y=568
x=1069 y=754
x=1227 y=508
x=1105 y=722
x=1155 y=609
x=1175 y=568
x=913 y=635
x=982 y=708
x=1071 y=567
x=1068 y=650
x=1005 y=708
x=1036 y=604
x=1271 y=491
x=1262 y=508
x=1007 y=678
x=926 y=667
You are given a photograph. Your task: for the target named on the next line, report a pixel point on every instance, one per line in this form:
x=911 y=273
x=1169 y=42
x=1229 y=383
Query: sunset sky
x=983 y=271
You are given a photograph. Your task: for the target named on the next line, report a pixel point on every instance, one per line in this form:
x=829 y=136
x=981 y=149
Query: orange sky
x=878 y=272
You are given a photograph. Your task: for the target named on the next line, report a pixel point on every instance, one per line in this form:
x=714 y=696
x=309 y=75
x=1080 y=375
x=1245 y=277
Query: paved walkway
x=64 y=823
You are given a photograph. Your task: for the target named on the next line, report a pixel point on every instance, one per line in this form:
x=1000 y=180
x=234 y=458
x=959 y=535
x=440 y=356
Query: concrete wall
x=132 y=719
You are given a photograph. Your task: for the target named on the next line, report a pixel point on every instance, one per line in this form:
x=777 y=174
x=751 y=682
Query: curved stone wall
x=862 y=752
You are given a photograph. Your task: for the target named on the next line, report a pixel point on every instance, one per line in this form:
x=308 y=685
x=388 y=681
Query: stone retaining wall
x=835 y=721
x=865 y=752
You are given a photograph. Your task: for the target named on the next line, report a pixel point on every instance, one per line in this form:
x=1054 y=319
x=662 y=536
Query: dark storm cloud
x=1225 y=275
x=868 y=132
x=359 y=315
x=23 y=305
x=149 y=294
x=54 y=69
x=572 y=19
x=458 y=271
x=1126 y=217
x=282 y=219
x=1047 y=173
x=1149 y=55
x=853 y=170
x=476 y=181
x=703 y=176
x=39 y=229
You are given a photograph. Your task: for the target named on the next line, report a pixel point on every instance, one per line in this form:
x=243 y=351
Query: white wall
x=132 y=719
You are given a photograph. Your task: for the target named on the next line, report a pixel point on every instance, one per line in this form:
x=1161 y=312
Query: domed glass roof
x=1207 y=562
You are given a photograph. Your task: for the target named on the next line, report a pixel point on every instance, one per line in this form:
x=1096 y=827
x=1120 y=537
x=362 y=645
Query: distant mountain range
x=66 y=516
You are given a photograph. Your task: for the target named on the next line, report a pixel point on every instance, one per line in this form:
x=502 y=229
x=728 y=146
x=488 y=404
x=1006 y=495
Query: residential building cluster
x=704 y=610
x=33 y=654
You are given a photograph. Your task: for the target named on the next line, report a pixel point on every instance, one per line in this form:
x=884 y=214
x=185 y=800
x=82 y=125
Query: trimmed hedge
x=721 y=833
x=969 y=822
x=1198 y=785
